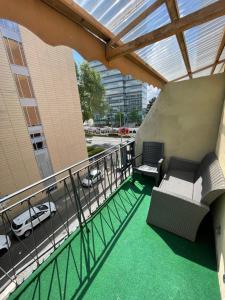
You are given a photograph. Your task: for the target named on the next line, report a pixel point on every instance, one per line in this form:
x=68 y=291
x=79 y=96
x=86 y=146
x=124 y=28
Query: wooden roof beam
x=174 y=15
x=201 y=16
x=137 y=20
x=219 y=52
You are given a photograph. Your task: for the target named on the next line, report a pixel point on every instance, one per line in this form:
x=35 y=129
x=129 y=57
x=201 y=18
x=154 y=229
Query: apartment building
x=41 y=128
x=122 y=92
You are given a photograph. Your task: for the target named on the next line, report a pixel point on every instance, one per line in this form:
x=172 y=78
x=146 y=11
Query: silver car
x=92 y=178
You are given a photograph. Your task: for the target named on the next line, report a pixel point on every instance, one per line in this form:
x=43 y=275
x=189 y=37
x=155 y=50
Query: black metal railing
x=35 y=220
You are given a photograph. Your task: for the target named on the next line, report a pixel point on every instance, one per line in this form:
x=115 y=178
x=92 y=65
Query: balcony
x=99 y=246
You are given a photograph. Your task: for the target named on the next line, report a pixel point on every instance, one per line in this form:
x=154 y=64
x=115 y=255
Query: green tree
x=119 y=119
x=149 y=106
x=134 y=117
x=91 y=92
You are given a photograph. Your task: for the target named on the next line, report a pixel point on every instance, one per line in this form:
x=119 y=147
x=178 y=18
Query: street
x=105 y=141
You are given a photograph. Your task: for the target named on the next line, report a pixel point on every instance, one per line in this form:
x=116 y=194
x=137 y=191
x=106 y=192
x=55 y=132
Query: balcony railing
x=35 y=220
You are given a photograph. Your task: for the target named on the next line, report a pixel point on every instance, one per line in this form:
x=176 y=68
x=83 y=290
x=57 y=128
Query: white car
x=22 y=225
x=5 y=243
x=93 y=177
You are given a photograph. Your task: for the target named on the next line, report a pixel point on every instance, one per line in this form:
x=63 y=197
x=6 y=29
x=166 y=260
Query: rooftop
x=121 y=257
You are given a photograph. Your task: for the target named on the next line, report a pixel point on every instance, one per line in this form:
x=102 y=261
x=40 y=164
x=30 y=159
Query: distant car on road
x=94 y=176
x=22 y=224
x=89 y=141
x=5 y=243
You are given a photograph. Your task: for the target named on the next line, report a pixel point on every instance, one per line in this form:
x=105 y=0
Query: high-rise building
x=41 y=128
x=123 y=93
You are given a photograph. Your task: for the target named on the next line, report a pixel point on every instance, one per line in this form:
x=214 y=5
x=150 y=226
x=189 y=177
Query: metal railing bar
x=55 y=174
x=52 y=184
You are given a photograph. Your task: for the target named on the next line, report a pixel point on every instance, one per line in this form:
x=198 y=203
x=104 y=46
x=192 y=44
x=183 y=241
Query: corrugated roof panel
x=203 y=42
x=219 y=68
x=165 y=57
x=115 y=14
x=187 y=7
x=202 y=73
x=154 y=21
x=222 y=56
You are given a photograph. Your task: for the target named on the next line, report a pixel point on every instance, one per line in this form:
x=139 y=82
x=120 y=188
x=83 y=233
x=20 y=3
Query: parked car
x=89 y=141
x=5 y=243
x=22 y=225
x=94 y=176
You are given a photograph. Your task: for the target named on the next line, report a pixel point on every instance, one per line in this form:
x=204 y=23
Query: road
x=105 y=141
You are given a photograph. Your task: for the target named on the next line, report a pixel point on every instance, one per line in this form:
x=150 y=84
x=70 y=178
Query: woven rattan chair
x=152 y=158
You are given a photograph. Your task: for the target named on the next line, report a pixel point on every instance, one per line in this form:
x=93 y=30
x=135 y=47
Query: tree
x=91 y=92
x=134 y=117
x=119 y=119
x=150 y=105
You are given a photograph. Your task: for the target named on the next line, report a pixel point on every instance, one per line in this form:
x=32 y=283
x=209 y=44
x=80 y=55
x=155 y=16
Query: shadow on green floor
x=79 y=268
x=75 y=264
x=193 y=251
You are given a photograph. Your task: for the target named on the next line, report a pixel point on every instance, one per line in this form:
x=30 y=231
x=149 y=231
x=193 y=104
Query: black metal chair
x=151 y=162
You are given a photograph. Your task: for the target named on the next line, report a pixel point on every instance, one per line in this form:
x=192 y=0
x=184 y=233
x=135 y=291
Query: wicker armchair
x=151 y=160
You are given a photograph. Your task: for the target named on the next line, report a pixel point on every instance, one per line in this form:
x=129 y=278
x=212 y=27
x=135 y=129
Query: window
x=24 y=86
x=15 y=52
x=34 y=135
x=32 y=115
x=39 y=145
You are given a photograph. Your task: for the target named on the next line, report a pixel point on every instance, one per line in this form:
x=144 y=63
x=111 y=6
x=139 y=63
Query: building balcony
x=98 y=244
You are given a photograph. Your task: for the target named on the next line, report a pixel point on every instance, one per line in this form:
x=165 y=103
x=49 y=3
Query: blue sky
x=77 y=57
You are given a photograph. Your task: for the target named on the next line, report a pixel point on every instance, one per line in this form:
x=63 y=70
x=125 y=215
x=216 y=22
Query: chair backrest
x=210 y=176
x=152 y=152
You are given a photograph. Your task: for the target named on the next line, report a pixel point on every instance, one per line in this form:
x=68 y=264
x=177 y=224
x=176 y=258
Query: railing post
x=78 y=204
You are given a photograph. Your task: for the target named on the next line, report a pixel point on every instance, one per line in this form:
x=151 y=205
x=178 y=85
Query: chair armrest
x=182 y=164
x=160 y=162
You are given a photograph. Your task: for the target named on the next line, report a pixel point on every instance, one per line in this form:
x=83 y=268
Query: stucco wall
x=189 y=117
x=185 y=117
x=219 y=210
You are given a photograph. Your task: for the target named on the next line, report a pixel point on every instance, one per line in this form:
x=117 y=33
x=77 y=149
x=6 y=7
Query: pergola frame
x=48 y=18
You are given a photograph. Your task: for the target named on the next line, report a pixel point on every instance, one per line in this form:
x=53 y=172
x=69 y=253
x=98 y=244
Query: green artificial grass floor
x=124 y=258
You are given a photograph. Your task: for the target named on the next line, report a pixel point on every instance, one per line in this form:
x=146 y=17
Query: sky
x=77 y=57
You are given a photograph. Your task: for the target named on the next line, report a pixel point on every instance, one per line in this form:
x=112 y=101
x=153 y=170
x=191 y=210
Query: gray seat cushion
x=147 y=169
x=178 y=182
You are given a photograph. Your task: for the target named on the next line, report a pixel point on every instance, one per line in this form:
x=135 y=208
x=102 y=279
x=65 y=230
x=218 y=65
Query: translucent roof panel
x=219 y=68
x=203 y=42
x=222 y=56
x=115 y=14
x=154 y=21
x=202 y=73
x=165 y=57
x=187 y=7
